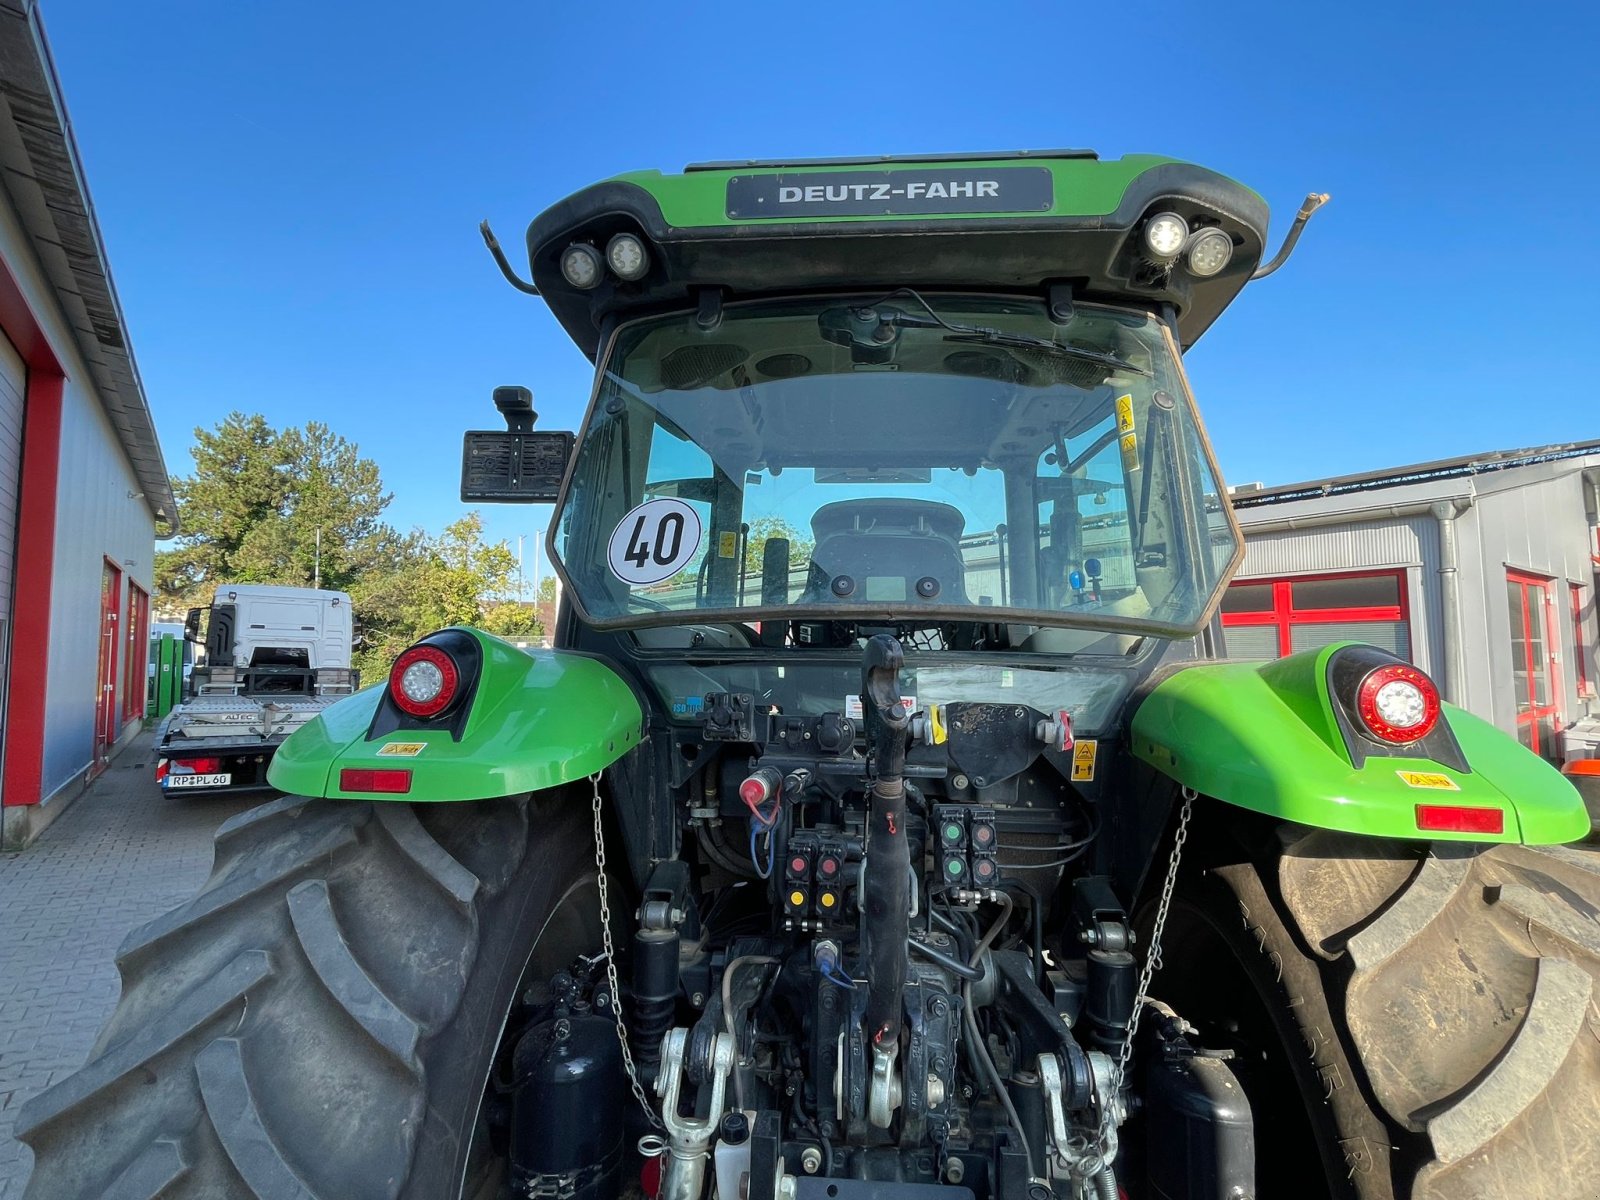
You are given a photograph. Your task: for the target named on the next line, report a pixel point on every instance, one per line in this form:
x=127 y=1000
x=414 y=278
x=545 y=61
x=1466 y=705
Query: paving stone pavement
x=120 y=855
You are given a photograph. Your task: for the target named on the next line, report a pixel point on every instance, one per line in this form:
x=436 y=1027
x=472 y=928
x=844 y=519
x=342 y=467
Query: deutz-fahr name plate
x=932 y=192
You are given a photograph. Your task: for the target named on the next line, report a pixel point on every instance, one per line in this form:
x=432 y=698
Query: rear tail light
x=361 y=779
x=1458 y=818
x=1582 y=766
x=424 y=681
x=199 y=766
x=1398 y=703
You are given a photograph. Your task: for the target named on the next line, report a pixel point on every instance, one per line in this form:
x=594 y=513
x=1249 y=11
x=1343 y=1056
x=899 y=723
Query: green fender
x=1264 y=737
x=538 y=719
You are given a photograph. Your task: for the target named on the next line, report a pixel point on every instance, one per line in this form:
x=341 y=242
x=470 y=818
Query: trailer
x=274 y=658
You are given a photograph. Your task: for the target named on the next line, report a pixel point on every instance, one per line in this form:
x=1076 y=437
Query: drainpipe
x=1446 y=512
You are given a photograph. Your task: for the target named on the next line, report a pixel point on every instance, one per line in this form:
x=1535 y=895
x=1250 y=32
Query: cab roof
x=1008 y=222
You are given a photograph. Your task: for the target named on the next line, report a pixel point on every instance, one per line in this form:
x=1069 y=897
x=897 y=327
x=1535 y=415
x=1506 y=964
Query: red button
x=828 y=866
x=797 y=865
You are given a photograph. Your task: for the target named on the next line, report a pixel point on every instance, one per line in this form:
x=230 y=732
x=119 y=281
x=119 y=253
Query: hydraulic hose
x=886 y=877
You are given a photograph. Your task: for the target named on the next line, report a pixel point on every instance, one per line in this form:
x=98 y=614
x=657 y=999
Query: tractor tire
x=1434 y=1009
x=321 y=1020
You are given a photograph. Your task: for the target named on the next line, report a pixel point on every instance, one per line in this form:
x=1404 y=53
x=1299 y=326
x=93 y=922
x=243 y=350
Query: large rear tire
x=1411 y=1021
x=321 y=1019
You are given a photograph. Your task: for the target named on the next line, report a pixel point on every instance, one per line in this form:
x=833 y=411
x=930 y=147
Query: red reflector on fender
x=361 y=779
x=1455 y=818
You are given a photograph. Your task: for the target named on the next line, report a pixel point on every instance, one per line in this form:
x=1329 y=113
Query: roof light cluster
x=1205 y=251
x=584 y=266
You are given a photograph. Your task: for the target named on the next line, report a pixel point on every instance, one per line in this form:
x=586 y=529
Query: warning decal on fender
x=1083 y=756
x=401 y=749
x=654 y=541
x=1428 y=780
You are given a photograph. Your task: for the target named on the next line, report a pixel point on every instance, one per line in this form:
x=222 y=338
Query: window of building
x=1530 y=604
x=1580 y=644
x=1268 y=618
x=136 y=629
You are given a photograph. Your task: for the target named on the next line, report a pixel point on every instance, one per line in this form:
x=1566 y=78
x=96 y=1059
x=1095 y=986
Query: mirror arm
x=500 y=261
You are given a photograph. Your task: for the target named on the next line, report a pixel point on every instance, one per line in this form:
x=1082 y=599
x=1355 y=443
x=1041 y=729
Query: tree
x=513 y=620
x=264 y=506
x=762 y=529
x=302 y=505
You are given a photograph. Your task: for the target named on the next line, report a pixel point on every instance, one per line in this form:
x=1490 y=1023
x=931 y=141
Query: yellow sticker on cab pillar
x=1083 y=756
x=728 y=545
x=401 y=749
x=1130 y=451
x=1124 y=414
x=1429 y=781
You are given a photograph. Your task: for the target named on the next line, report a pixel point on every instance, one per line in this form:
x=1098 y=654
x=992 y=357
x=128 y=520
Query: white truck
x=274 y=657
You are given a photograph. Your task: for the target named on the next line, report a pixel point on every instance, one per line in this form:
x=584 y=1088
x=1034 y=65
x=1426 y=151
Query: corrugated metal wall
x=1409 y=543
x=99 y=515
x=95 y=520
x=1531 y=519
x=1535 y=523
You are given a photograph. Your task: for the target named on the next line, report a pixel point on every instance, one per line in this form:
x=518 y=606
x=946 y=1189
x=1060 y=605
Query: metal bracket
x=884 y=1094
x=689 y=1138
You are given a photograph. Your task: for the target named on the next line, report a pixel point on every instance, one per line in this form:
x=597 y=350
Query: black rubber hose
x=944 y=960
x=886 y=883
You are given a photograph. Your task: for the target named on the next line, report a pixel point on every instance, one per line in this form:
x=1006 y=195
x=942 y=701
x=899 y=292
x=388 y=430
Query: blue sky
x=290 y=193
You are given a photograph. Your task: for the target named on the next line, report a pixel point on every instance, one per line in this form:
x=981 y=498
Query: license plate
x=199 y=781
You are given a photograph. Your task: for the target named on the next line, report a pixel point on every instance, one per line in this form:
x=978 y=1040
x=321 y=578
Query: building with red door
x=83 y=488
x=1480 y=570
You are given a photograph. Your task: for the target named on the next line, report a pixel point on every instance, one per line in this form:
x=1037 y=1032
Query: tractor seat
x=890 y=550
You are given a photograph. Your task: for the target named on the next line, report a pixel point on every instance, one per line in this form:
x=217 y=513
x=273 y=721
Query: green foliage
x=269 y=506
x=260 y=501
x=764 y=528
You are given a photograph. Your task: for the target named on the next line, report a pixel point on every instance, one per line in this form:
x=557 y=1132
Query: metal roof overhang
x=44 y=181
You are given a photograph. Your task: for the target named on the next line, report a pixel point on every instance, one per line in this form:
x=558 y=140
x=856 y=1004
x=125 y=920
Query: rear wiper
x=1023 y=341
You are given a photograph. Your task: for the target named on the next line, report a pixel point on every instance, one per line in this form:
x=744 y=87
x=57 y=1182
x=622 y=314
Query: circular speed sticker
x=654 y=541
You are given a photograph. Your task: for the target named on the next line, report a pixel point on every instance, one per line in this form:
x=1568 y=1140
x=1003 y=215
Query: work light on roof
x=581 y=265
x=1207 y=252
x=1164 y=235
x=627 y=257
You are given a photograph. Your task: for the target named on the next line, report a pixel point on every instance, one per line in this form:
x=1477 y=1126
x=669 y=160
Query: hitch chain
x=1152 y=959
x=611 y=963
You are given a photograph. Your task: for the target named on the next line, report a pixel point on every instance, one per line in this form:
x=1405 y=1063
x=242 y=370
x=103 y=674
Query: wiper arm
x=1023 y=341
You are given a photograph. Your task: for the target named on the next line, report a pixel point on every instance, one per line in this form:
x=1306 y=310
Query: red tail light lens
x=1457 y=818
x=1398 y=703
x=200 y=766
x=424 y=681
x=360 y=779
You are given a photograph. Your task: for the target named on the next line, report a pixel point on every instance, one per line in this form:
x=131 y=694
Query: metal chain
x=1152 y=959
x=611 y=963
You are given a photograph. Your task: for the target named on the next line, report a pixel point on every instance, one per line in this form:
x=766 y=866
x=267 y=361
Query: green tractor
x=888 y=822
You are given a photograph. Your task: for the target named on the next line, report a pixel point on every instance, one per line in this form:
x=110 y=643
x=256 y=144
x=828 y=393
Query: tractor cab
x=941 y=398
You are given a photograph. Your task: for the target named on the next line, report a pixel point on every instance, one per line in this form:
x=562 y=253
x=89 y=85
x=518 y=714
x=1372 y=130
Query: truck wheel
x=1417 y=1021
x=321 y=1019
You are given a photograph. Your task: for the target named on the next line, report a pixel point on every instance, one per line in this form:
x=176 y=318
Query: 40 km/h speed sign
x=654 y=541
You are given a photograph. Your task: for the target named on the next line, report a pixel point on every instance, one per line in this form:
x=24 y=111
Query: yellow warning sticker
x=1428 y=780
x=1130 y=451
x=401 y=749
x=727 y=545
x=1083 y=756
x=1124 y=414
